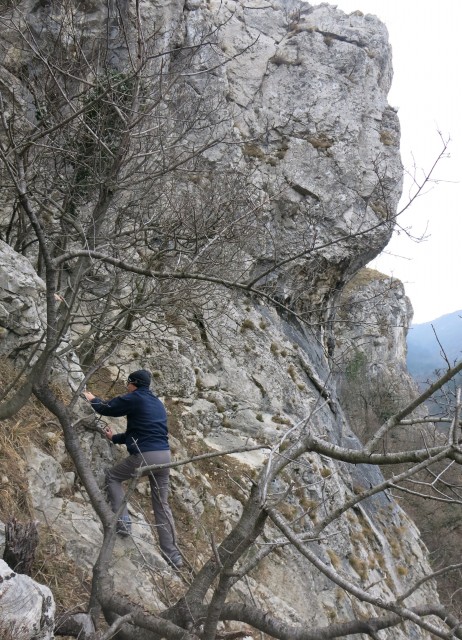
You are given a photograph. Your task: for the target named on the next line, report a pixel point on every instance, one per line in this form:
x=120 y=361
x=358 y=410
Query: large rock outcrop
x=372 y=320
x=298 y=95
x=22 y=303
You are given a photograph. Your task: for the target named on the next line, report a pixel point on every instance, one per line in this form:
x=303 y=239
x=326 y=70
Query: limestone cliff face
x=310 y=96
x=302 y=98
x=307 y=115
x=375 y=313
x=372 y=321
x=22 y=302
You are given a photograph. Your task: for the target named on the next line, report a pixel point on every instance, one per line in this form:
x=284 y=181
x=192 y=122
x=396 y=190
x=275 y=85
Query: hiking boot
x=175 y=563
x=124 y=527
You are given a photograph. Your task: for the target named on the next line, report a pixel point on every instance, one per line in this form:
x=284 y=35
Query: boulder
x=27 y=608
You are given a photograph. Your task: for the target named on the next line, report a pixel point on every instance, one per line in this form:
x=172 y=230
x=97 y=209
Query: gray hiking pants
x=158 y=480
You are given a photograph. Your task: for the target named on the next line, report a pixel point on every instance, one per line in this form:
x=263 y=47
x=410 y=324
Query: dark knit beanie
x=141 y=378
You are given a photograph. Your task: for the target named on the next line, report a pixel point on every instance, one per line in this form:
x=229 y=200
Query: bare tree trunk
x=21 y=540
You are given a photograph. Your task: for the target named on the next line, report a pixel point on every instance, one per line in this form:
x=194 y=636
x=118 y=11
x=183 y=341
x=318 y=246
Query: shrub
x=247 y=324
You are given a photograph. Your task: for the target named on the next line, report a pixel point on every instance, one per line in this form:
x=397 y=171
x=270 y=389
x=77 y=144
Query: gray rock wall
x=302 y=98
x=309 y=95
x=372 y=321
x=22 y=303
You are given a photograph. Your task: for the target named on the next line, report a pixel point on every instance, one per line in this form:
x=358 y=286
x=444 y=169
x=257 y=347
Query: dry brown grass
x=69 y=584
x=25 y=428
x=359 y=565
x=102 y=384
x=361 y=280
x=29 y=426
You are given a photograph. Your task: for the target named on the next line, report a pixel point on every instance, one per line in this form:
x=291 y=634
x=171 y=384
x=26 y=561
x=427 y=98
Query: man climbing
x=146 y=439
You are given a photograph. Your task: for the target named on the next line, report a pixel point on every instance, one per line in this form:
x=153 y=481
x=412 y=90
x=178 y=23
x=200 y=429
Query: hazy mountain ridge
x=425 y=343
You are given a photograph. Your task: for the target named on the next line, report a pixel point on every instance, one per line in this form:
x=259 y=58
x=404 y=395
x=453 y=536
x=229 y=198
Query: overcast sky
x=426 y=89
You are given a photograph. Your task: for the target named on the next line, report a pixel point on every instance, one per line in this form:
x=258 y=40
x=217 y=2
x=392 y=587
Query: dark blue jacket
x=146 y=420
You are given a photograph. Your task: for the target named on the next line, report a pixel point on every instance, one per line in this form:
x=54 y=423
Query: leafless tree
x=91 y=134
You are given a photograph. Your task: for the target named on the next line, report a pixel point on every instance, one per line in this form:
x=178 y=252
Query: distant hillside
x=424 y=352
